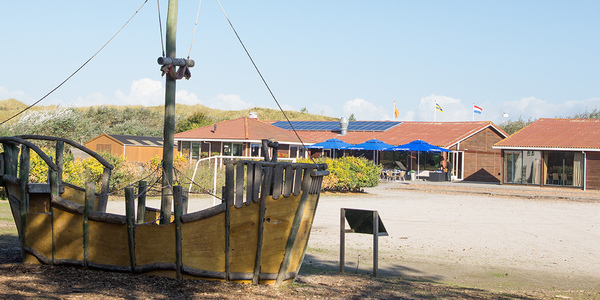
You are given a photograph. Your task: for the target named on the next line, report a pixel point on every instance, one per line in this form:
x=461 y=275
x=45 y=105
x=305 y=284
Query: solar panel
x=335 y=125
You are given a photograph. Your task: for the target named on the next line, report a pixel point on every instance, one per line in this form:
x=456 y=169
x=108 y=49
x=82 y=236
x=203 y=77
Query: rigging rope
x=81 y=67
x=263 y=80
x=195 y=25
x=162 y=43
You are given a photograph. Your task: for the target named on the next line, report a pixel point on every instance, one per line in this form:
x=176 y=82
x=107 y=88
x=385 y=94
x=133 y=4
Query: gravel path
x=477 y=235
x=487 y=236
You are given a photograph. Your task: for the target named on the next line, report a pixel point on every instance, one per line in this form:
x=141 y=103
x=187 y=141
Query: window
x=196 y=150
x=104 y=148
x=564 y=168
x=255 y=150
x=185 y=148
x=293 y=151
x=226 y=149
x=237 y=149
x=232 y=149
x=523 y=167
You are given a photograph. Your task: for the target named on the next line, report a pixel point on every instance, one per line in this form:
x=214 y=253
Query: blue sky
x=529 y=59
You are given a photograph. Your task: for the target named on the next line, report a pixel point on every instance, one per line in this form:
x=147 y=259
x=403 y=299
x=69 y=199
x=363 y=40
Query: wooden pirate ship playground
x=258 y=234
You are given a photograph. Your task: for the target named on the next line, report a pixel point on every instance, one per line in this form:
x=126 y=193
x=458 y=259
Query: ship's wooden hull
x=259 y=234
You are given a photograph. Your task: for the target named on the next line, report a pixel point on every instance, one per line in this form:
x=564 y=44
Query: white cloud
x=229 y=102
x=365 y=110
x=453 y=109
x=91 y=100
x=19 y=95
x=144 y=91
x=321 y=109
x=535 y=108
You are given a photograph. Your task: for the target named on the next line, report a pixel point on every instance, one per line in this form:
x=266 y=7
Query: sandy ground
x=479 y=240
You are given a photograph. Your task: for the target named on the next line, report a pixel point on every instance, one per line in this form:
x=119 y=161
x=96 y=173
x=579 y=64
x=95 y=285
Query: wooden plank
x=298 y=180
x=1 y=167
x=203 y=243
x=250 y=182
x=141 y=207
x=68 y=237
x=239 y=185
x=129 y=214
x=229 y=192
x=261 y=226
x=109 y=245
x=178 y=210
x=302 y=242
x=243 y=238
x=279 y=216
x=277 y=181
x=306 y=183
x=40 y=239
x=60 y=147
x=266 y=181
x=256 y=182
x=90 y=195
x=24 y=196
x=228 y=204
x=103 y=199
x=155 y=244
x=10 y=158
x=289 y=181
x=184 y=202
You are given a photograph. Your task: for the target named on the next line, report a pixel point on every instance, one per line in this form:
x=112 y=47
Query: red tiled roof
x=241 y=129
x=442 y=134
x=556 y=133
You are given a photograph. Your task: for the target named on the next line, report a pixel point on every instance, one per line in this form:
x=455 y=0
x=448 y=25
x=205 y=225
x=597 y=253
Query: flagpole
x=473 y=111
x=434 y=110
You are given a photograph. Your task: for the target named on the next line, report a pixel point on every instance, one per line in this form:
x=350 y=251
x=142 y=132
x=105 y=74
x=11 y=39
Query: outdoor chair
x=555 y=178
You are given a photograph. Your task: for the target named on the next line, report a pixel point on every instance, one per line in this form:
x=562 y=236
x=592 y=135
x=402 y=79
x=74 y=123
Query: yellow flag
x=396 y=112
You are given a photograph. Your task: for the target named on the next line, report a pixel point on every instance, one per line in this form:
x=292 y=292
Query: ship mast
x=169 y=63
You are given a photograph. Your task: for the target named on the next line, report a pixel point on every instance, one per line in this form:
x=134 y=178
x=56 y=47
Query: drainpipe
x=584 y=170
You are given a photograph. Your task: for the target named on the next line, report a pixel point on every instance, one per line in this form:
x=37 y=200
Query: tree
x=352 y=118
x=303 y=110
x=511 y=127
x=197 y=120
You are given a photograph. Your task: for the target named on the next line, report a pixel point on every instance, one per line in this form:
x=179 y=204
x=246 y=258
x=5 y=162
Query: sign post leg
x=342 y=238
x=375 y=242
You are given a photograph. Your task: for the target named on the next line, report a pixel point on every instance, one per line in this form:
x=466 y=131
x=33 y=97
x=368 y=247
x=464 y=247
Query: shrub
x=349 y=173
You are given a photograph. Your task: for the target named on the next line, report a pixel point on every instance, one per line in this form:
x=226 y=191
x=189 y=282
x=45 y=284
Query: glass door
x=456 y=162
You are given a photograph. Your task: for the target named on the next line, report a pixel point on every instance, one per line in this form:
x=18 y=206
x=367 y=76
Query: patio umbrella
x=330 y=144
x=374 y=144
x=418 y=146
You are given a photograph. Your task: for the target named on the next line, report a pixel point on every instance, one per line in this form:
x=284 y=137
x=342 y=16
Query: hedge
x=348 y=174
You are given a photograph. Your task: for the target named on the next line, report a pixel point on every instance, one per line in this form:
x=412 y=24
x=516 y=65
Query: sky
x=525 y=59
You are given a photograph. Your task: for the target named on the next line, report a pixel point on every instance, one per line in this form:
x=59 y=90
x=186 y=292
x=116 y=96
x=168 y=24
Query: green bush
x=349 y=173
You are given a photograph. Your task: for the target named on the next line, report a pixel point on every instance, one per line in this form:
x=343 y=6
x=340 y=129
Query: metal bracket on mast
x=179 y=62
x=169 y=64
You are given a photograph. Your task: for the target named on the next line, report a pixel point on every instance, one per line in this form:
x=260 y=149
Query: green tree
x=352 y=118
x=197 y=120
x=511 y=127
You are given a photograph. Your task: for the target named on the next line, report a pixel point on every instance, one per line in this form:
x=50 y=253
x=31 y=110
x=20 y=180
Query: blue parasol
x=330 y=144
x=418 y=146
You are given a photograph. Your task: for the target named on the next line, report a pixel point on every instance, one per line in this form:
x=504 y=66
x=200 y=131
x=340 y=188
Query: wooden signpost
x=361 y=221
